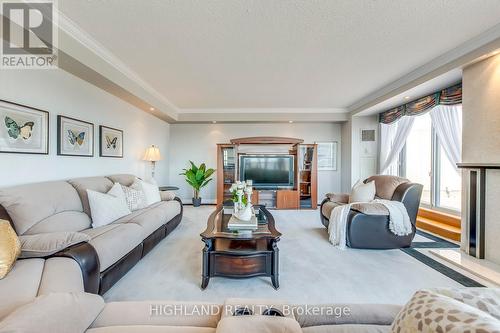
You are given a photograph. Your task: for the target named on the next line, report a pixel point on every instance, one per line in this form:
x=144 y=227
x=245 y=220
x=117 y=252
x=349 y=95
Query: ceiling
x=281 y=54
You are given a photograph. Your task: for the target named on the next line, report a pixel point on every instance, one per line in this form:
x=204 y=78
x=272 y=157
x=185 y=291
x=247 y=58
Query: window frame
x=435 y=175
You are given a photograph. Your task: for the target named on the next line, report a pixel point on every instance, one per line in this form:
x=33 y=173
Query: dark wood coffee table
x=236 y=254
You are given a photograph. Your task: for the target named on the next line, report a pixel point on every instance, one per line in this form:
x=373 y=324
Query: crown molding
x=262 y=110
x=269 y=117
x=69 y=27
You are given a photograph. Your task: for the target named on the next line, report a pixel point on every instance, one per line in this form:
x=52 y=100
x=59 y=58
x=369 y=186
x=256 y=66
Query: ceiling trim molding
x=73 y=30
x=260 y=118
x=465 y=53
x=261 y=110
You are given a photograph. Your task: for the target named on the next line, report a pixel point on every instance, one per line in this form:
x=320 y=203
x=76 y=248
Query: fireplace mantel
x=478 y=165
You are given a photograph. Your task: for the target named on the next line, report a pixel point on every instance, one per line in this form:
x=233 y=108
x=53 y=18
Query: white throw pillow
x=136 y=199
x=362 y=192
x=107 y=207
x=151 y=191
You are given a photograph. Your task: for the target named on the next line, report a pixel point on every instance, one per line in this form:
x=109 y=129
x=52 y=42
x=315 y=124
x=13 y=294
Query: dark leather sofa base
x=116 y=271
x=372 y=231
x=86 y=257
x=157 y=236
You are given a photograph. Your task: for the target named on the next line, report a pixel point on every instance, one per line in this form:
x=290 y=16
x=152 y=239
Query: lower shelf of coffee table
x=233 y=265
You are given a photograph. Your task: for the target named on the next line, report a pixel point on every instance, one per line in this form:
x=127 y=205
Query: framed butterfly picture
x=74 y=137
x=23 y=129
x=110 y=142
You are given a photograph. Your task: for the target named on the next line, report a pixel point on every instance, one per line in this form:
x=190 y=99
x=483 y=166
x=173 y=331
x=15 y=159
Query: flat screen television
x=268 y=171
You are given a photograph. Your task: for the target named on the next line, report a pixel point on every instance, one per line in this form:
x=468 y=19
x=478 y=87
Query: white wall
x=346 y=131
x=363 y=154
x=61 y=93
x=197 y=142
x=360 y=159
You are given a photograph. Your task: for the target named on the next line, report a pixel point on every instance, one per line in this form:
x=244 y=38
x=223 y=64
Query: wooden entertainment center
x=303 y=194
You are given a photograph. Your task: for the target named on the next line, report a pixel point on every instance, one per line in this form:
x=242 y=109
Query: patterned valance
x=448 y=96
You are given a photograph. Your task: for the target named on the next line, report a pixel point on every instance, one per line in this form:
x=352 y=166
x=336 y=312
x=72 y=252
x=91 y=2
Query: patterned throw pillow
x=135 y=198
x=434 y=311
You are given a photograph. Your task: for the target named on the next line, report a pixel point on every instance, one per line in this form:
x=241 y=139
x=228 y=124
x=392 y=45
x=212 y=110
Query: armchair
x=368 y=224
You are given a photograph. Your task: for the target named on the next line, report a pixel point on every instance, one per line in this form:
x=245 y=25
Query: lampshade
x=152 y=154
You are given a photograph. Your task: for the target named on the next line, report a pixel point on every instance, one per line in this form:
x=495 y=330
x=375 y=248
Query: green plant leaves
x=197 y=177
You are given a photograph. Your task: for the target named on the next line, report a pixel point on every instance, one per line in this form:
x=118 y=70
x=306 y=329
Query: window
x=423 y=160
x=327 y=155
x=418 y=155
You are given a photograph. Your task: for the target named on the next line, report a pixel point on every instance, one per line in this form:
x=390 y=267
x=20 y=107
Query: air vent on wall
x=367 y=135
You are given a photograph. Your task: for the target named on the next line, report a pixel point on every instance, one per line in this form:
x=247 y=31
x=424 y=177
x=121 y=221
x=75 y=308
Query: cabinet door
x=287 y=199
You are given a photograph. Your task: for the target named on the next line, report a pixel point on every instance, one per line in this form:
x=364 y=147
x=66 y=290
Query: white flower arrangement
x=239 y=189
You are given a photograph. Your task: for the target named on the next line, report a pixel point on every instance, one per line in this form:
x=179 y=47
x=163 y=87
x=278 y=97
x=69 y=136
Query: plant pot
x=196 y=202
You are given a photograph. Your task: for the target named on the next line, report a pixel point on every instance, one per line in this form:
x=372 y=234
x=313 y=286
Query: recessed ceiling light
x=214 y=122
x=407 y=97
x=290 y=121
x=151 y=108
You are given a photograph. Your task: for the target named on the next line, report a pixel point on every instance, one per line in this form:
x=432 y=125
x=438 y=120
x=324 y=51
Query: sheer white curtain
x=447 y=122
x=392 y=140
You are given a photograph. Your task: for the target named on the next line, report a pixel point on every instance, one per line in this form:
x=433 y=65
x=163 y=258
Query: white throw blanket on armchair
x=399 y=221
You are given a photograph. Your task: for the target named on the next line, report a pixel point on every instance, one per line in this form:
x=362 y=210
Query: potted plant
x=197 y=177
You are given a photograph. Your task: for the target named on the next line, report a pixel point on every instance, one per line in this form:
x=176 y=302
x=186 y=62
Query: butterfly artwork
x=76 y=138
x=16 y=131
x=111 y=142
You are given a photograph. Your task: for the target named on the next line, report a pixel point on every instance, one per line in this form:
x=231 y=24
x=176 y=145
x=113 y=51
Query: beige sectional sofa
x=30 y=278
x=83 y=312
x=61 y=207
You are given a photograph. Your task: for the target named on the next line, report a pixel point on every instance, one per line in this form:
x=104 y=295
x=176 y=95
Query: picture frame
x=327 y=155
x=23 y=129
x=110 y=142
x=74 y=137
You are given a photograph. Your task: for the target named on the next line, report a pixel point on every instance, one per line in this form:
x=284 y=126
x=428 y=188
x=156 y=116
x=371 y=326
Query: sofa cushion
x=10 y=248
x=107 y=207
x=114 y=241
x=20 y=286
x=98 y=184
x=123 y=179
x=327 y=208
x=43 y=245
x=258 y=324
x=370 y=208
x=167 y=195
x=158 y=313
x=55 y=313
x=54 y=206
x=155 y=216
x=61 y=275
x=151 y=329
x=347 y=328
x=338 y=197
x=386 y=185
x=347 y=314
x=63 y=221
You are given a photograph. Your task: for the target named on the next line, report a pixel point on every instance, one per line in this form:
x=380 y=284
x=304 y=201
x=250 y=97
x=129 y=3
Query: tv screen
x=267 y=170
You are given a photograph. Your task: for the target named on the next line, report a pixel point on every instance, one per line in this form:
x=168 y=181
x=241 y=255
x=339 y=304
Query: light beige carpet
x=311 y=269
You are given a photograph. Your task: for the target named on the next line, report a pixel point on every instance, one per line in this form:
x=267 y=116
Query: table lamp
x=152 y=155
